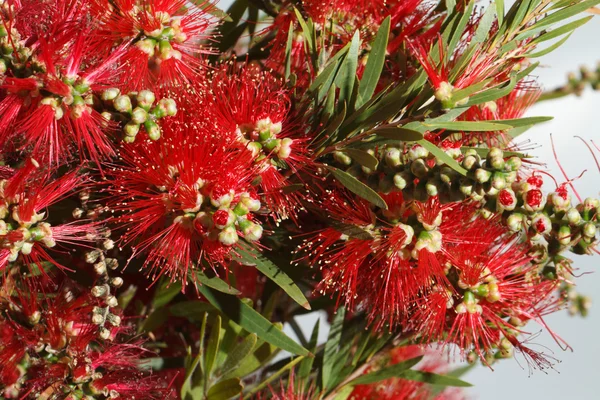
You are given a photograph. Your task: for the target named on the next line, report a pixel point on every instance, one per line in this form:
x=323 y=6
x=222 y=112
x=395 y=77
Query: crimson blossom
x=184 y=200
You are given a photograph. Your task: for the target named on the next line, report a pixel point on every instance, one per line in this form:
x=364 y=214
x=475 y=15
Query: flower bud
x=482 y=175
x=342 y=158
x=534 y=200
x=573 y=216
x=541 y=223
x=110 y=94
x=515 y=222
x=392 y=157
x=286 y=148
x=139 y=115
x=169 y=106
x=513 y=164
x=228 y=236
x=419 y=168
x=152 y=129
x=402 y=179
x=471 y=162
x=589 y=230
x=131 y=129
x=122 y=104
x=253 y=232
x=506 y=200
x=416 y=152
x=564 y=235
x=145 y=99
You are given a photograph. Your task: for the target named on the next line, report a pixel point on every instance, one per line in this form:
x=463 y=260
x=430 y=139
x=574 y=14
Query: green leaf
x=442 y=156
x=165 y=293
x=307 y=32
x=549 y=49
x=450 y=4
x=288 y=50
x=398 y=133
x=459 y=31
x=467 y=126
x=216 y=283
x=357 y=187
x=346 y=78
x=565 y=13
x=193 y=310
x=485 y=24
x=250 y=256
x=251 y=320
x=500 y=11
x=362 y=157
x=386 y=373
x=212 y=347
x=332 y=347
x=375 y=63
x=306 y=364
x=433 y=379
x=562 y=30
x=515 y=123
x=238 y=353
x=225 y=390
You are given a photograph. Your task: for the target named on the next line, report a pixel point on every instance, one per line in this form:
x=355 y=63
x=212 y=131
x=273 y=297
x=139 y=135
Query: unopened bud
x=392 y=157
x=122 y=104
x=145 y=99
x=139 y=115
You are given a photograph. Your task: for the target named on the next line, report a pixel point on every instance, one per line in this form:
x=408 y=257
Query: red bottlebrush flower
x=163 y=38
x=50 y=111
x=252 y=109
x=184 y=204
x=24 y=231
x=65 y=349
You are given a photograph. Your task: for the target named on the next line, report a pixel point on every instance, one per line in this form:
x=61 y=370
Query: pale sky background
x=577 y=377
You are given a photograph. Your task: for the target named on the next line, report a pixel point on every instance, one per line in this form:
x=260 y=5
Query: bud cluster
x=158 y=43
x=219 y=217
x=20 y=233
x=261 y=138
x=135 y=110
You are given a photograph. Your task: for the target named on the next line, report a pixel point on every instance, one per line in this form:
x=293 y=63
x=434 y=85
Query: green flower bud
x=152 y=129
x=139 y=115
x=402 y=179
x=482 y=175
x=513 y=164
x=110 y=94
x=392 y=157
x=589 y=230
x=342 y=158
x=131 y=129
x=573 y=216
x=145 y=99
x=419 y=168
x=122 y=104
x=564 y=235
x=170 y=106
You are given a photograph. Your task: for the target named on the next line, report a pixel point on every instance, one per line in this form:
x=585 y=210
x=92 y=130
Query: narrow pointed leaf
x=398 y=133
x=434 y=379
x=216 y=283
x=467 y=126
x=249 y=319
x=250 y=256
x=375 y=63
x=332 y=347
x=357 y=187
x=225 y=390
x=212 y=348
x=238 y=353
x=442 y=156
x=362 y=157
x=392 y=371
x=307 y=363
x=518 y=122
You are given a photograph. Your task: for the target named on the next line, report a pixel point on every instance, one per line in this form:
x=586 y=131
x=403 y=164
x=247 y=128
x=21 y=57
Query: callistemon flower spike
x=253 y=109
x=183 y=200
x=166 y=39
x=25 y=232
